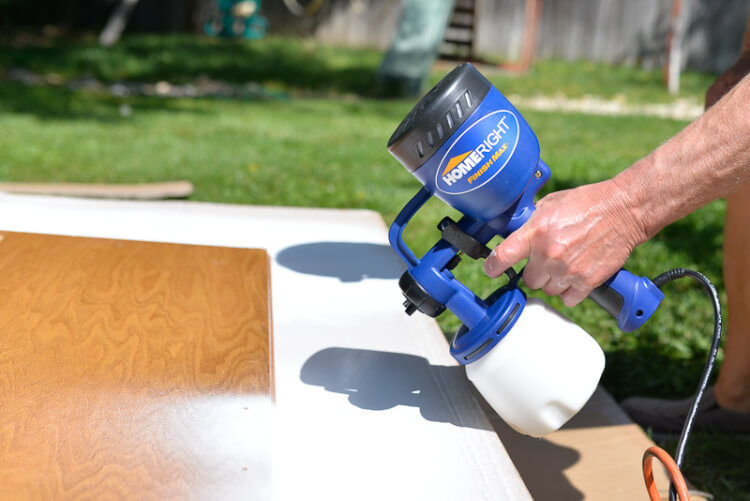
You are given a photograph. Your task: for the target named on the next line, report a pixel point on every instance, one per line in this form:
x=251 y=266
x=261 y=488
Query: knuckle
x=580 y=271
x=500 y=254
x=552 y=289
x=557 y=251
x=590 y=282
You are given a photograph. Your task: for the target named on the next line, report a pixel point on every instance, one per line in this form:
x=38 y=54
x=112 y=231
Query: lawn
x=316 y=137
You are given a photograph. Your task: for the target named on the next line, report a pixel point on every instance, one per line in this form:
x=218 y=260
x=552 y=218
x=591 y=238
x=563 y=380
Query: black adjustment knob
x=410 y=307
x=417 y=298
x=461 y=240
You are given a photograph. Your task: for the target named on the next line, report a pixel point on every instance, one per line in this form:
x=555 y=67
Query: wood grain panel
x=132 y=370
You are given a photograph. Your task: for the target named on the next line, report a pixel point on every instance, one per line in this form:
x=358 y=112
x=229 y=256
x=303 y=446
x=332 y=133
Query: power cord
x=678 y=485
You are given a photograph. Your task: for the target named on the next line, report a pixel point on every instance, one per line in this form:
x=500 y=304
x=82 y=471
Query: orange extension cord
x=674 y=473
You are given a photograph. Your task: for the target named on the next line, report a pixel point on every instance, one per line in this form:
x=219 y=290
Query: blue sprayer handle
x=631 y=300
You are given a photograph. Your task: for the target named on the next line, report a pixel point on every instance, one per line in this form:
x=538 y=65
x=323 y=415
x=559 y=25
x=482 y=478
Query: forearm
x=706 y=161
x=576 y=239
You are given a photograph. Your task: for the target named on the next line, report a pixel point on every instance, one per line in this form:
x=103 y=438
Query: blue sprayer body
x=469 y=146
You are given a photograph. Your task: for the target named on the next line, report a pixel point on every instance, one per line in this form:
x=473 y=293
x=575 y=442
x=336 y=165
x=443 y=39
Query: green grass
x=304 y=65
x=323 y=145
x=608 y=81
x=718 y=464
x=279 y=63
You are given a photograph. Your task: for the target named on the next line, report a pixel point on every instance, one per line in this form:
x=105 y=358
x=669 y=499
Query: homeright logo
x=478 y=154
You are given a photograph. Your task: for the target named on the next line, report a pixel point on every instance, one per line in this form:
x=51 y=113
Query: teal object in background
x=237 y=19
x=420 y=32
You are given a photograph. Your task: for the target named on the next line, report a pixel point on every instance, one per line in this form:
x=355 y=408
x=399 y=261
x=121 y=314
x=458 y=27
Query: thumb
x=509 y=252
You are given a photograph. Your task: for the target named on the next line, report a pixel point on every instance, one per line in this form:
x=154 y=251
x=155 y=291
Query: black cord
x=659 y=281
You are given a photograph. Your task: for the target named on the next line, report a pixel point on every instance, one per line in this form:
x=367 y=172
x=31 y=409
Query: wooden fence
x=619 y=31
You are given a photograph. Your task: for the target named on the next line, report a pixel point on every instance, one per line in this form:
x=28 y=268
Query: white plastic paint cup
x=541 y=373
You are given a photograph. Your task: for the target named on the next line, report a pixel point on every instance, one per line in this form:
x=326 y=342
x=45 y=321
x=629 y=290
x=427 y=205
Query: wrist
x=652 y=197
x=630 y=208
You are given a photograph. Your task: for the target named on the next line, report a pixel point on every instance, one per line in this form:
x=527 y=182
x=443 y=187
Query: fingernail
x=489 y=264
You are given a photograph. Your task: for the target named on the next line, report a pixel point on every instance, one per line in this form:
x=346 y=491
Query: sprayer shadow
x=379 y=380
x=348 y=261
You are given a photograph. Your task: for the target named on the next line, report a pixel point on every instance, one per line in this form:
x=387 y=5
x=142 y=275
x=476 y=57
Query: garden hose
x=678 y=486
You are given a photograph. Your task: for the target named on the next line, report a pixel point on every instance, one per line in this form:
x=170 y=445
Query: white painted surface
x=369 y=403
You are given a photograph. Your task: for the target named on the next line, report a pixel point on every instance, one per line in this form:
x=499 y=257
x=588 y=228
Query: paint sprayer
x=468 y=146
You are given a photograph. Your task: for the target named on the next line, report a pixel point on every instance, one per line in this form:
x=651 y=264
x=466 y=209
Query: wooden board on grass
x=142 y=191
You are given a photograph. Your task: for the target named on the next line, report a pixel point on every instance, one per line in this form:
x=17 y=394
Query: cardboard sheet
x=596 y=455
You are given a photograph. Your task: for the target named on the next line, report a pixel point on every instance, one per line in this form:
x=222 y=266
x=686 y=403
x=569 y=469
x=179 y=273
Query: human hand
x=575 y=240
x=728 y=79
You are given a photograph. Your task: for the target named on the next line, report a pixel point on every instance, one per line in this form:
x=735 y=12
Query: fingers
x=511 y=251
x=554 y=287
x=535 y=275
x=572 y=296
x=547 y=274
x=568 y=231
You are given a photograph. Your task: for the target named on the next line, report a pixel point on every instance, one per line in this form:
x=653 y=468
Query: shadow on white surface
x=347 y=261
x=379 y=380
x=541 y=463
